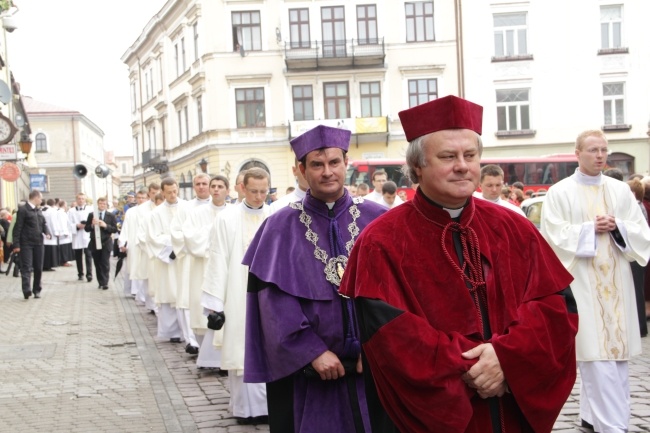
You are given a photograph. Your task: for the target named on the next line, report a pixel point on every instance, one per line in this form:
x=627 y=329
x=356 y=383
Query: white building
x=546 y=70
x=234 y=81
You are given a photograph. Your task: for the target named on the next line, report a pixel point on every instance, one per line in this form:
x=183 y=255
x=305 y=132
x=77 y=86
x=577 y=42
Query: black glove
x=216 y=320
x=172 y=256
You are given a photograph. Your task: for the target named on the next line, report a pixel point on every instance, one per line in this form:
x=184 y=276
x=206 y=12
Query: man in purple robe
x=301 y=338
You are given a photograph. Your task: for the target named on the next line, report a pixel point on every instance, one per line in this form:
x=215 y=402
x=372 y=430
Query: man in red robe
x=466 y=316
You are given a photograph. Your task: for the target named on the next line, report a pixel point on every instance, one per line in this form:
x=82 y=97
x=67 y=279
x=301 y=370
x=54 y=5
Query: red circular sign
x=9 y=172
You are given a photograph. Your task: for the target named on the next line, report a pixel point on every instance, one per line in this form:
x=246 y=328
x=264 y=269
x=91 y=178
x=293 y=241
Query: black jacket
x=30 y=227
x=111 y=227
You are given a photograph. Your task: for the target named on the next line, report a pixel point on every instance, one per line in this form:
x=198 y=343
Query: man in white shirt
x=201 y=185
x=297 y=195
x=225 y=292
x=80 y=239
x=491 y=183
x=163 y=278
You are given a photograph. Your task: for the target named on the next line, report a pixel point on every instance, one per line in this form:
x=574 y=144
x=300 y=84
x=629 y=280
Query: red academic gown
x=416 y=317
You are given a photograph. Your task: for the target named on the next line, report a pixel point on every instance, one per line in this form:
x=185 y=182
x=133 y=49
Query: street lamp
x=25 y=143
x=203 y=163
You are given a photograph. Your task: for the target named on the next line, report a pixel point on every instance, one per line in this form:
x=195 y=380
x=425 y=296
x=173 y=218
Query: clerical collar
x=204 y=200
x=32 y=205
x=585 y=179
x=453 y=213
x=251 y=207
x=166 y=203
x=214 y=206
x=300 y=193
x=330 y=209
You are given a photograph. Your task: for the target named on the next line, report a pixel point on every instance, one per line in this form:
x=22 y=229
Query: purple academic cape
x=294 y=315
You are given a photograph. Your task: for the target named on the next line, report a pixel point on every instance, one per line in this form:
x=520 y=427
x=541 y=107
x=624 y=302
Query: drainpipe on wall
x=460 y=63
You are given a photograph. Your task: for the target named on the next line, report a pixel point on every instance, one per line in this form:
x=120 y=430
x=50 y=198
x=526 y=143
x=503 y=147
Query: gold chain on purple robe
x=334 y=267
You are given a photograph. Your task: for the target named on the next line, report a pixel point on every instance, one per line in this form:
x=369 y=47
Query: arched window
x=181 y=183
x=189 y=189
x=41 y=142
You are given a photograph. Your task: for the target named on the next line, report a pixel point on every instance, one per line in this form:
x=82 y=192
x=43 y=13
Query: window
x=337 y=100
x=367 y=24
x=148 y=89
x=136 y=148
x=182 y=185
x=124 y=168
x=611 y=22
x=41 y=142
x=246 y=31
x=177 y=59
x=199 y=113
x=303 y=103
x=195 y=31
x=183 y=55
x=250 y=108
x=182 y=130
x=510 y=35
x=419 y=21
x=613 y=103
x=423 y=90
x=370 y=99
x=513 y=110
x=186 y=118
x=333 y=22
x=151 y=136
x=134 y=100
x=163 y=133
x=299 y=28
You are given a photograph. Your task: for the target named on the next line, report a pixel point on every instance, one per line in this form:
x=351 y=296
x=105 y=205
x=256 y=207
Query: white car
x=532 y=207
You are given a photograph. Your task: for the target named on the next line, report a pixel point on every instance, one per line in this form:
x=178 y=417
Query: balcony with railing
x=154 y=159
x=338 y=54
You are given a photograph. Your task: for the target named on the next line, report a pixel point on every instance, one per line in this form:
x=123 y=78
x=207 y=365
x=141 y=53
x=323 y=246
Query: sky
x=67 y=53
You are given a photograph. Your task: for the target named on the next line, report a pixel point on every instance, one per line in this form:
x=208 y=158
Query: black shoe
x=89 y=278
x=175 y=340
x=81 y=278
x=222 y=373
x=27 y=294
x=264 y=419
x=37 y=295
x=244 y=421
x=192 y=350
x=104 y=287
x=586 y=425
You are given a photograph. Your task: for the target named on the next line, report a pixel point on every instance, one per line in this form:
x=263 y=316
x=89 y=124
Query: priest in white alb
x=197 y=233
x=200 y=183
x=163 y=277
x=595 y=227
x=225 y=291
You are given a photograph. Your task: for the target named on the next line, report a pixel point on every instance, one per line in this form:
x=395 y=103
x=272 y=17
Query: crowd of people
x=339 y=309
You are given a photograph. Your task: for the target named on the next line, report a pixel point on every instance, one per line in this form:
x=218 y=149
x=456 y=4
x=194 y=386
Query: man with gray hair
x=449 y=313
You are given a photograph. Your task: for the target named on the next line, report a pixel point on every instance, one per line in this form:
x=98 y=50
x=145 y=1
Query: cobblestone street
x=86 y=360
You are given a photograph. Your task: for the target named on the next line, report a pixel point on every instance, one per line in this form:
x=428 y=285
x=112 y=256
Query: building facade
x=236 y=98
x=64 y=138
x=547 y=70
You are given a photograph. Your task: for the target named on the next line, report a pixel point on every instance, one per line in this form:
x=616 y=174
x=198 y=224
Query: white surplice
x=196 y=232
x=602 y=285
x=226 y=279
x=163 y=277
x=80 y=237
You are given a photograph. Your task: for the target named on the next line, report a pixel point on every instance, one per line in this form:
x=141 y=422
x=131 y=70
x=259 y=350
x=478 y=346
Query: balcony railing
x=155 y=160
x=335 y=54
x=150 y=156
